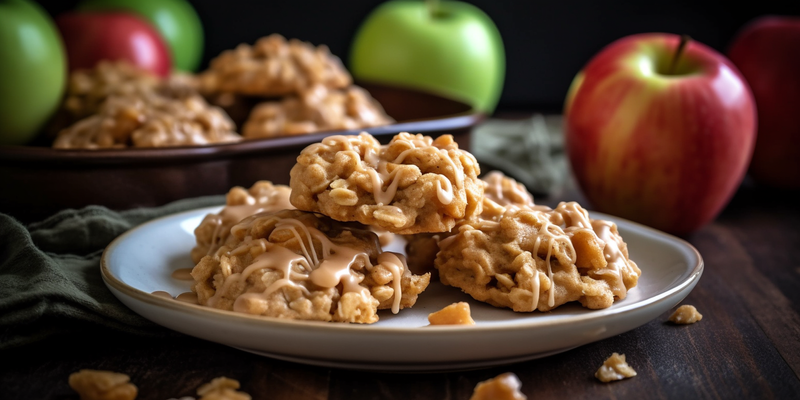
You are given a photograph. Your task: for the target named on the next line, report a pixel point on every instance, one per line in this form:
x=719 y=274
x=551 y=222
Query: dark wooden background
x=746 y=346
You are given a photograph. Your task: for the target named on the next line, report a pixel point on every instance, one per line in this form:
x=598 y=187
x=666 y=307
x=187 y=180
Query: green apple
x=176 y=21
x=452 y=48
x=33 y=70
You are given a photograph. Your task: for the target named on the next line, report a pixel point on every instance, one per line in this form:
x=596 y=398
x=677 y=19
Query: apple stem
x=433 y=7
x=678 y=52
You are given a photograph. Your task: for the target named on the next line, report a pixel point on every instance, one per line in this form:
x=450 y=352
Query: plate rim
x=258 y=321
x=184 y=153
x=462 y=116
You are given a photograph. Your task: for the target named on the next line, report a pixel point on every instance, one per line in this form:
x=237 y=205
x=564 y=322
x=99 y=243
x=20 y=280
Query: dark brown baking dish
x=38 y=181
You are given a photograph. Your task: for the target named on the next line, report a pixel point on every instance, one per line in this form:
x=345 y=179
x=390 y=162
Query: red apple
x=767 y=52
x=93 y=36
x=658 y=132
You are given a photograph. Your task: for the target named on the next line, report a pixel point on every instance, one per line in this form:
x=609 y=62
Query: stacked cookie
x=297 y=88
x=415 y=184
x=273 y=88
x=116 y=105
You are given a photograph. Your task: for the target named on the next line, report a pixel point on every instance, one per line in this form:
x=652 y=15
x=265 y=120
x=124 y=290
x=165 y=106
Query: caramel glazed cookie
x=528 y=257
x=414 y=184
x=214 y=231
x=499 y=193
x=300 y=265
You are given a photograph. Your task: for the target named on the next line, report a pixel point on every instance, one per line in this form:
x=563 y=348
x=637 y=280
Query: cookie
x=300 y=265
x=412 y=185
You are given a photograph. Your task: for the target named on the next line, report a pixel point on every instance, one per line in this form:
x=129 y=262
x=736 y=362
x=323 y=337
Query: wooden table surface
x=746 y=346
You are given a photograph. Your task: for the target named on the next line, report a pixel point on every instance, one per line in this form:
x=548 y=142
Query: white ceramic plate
x=142 y=260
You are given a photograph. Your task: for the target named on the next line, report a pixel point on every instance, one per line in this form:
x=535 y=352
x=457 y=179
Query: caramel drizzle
x=546 y=236
x=577 y=218
x=378 y=168
x=335 y=265
x=572 y=215
x=385 y=237
x=234 y=213
x=550 y=239
x=396 y=265
x=574 y=218
x=616 y=261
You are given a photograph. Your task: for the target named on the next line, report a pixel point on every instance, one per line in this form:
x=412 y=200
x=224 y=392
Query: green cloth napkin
x=50 y=279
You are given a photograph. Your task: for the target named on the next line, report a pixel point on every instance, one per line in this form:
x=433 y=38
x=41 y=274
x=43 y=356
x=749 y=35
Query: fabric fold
x=50 y=279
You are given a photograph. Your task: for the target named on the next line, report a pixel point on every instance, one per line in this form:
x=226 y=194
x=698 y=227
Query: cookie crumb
x=454 y=314
x=614 y=369
x=102 y=385
x=502 y=387
x=222 y=388
x=685 y=315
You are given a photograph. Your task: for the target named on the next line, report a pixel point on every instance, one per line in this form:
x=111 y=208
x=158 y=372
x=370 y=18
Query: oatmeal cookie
x=240 y=203
x=149 y=120
x=414 y=184
x=316 y=109
x=88 y=89
x=300 y=265
x=273 y=67
x=500 y=192
x=537 y=259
